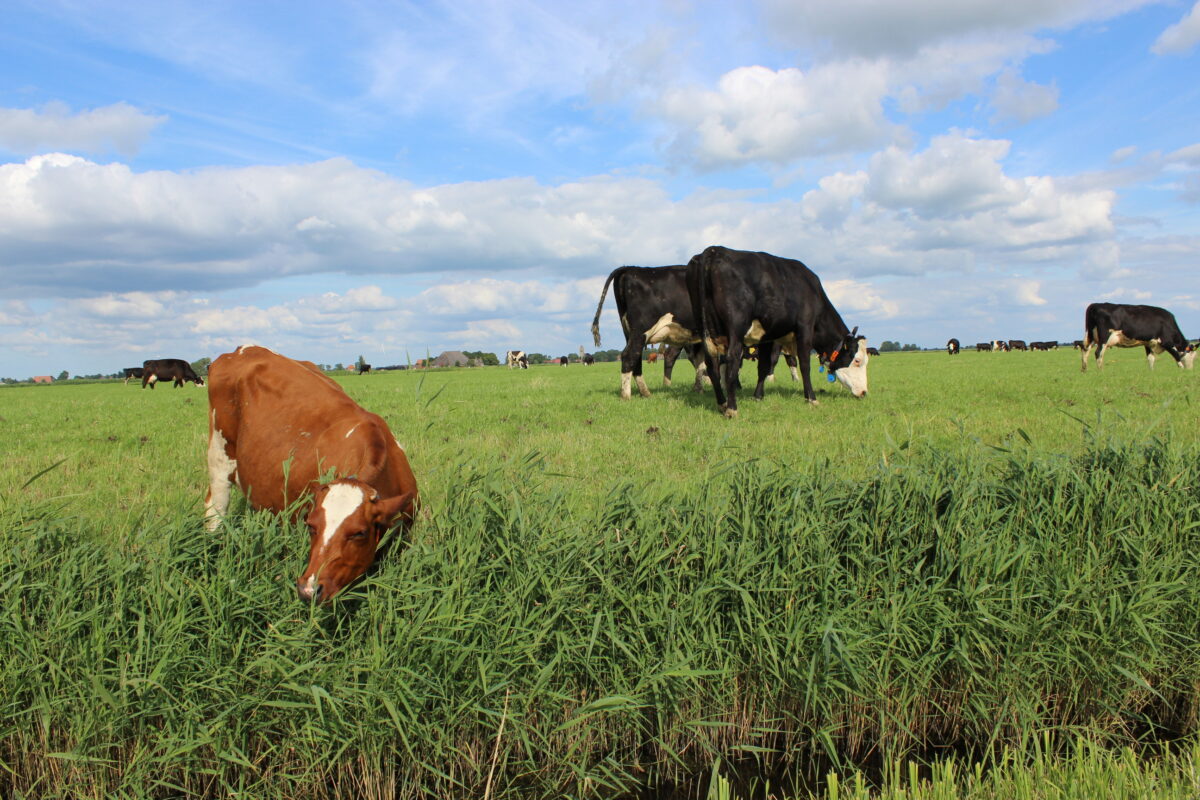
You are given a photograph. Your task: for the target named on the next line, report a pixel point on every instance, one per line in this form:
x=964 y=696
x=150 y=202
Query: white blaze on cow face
x=221 y=470
x=854 y=376
x=339 y=502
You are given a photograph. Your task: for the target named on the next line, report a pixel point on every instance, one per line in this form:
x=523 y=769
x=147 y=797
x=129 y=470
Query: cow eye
x=357 y=536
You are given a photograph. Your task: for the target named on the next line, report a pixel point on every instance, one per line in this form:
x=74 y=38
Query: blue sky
x=390 y=179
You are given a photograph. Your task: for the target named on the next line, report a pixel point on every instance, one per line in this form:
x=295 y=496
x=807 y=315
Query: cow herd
x=284 y=432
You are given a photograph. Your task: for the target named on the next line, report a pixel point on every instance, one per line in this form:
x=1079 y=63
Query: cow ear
x=854 y=332
x=386 y=511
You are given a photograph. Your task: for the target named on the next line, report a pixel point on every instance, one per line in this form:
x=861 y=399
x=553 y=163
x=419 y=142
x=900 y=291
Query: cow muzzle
x=310 y=590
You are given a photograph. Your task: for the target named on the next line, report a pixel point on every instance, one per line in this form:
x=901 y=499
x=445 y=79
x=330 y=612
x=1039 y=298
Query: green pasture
x=991 y=557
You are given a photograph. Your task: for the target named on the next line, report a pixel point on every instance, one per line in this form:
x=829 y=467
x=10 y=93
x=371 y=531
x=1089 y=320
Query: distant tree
x=889 y=346
x=338 y=366
x=358 y=365
x=908 y=348
x=607 y=355
x=201 y=367
x=487 y=359
x=62 y=376
x=537 y=358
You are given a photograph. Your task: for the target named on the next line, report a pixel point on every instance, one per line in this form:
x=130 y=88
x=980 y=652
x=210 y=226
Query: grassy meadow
x=989 y=560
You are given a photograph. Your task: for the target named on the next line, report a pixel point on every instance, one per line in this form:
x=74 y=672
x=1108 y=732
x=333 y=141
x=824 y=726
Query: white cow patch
x=669 y=331
x=152 y=379
x=754 y=333
x=339 y=502
x=220 y=468
x=1189 y=360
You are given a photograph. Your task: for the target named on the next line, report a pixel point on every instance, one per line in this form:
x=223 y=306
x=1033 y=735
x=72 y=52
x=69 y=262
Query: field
x=991 y=558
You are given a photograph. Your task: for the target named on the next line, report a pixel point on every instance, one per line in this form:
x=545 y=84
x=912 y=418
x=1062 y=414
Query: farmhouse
x=43 y=379
x=452 y=358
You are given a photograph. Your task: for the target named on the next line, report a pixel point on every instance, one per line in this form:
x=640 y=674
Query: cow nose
x=308 y=591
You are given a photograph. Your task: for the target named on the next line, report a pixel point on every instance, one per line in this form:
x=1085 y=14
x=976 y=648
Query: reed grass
x=552 y=630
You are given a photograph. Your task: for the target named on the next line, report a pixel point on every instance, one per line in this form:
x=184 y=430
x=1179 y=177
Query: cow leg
x=733 y=365
x=791 y=362
x=221 y=469
x=1101 y=346
x=1150 y=356
x=150 y=379
x=764 y=371
x=669 y=359
x=696 y=356
x=713 y=367
x=631 y=364
x=803 y=348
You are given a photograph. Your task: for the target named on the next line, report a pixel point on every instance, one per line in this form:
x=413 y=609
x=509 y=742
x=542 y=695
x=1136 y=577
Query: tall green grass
x=546 y=635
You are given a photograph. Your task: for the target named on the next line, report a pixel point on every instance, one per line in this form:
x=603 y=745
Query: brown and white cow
x=276 y=426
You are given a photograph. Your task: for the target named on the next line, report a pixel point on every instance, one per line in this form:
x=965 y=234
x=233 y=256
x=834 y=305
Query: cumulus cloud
x=119 y=127
x=69 y=222
x=1180 y=37
x=756 y=114
x=1018 y=100
x=874 y=28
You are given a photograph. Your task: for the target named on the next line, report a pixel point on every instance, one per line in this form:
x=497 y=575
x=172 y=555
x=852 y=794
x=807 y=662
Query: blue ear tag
x=821 y=368
x=831 y=378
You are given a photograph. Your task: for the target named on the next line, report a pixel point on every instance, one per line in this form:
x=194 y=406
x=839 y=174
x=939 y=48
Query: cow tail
x=600 y=307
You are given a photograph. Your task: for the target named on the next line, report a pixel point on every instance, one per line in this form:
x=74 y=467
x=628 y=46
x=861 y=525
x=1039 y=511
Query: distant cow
x=745 y=298
x=132 y=372
x=588 y=359
x=1016 y=344
x=516 y=359
x=168 y=369
x=872 y=351
x=654 y=308
x=363 y=369
x=276 y=426
x=952 y=347
x=1118 y=325
x=983 y=347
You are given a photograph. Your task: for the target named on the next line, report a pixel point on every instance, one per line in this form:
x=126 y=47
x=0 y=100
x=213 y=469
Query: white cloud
x=119 y=127
x=1018 y=100
x=873 y=28
x=756 y=114
x=1027 y=293
x=1180 y=37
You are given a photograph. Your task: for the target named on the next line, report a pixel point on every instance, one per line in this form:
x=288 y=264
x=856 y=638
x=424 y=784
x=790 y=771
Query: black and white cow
x=654 y=308
x=1118 y=325
x=168 y=369
x=983 y=347
x=588 y=359
x=1017 y=344
x=363 y=369
x=516 y=359
x=132 y=372
x=744 y=298
x=952 y=347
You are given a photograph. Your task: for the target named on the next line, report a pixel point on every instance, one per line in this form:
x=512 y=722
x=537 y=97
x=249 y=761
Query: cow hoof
x=814 y=402
x=666 y=381
x=731 y=413
x=625 y=395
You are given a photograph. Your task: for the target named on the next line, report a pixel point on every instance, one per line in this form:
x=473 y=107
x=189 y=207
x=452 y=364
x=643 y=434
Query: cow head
x=849 y=363
x=345 y=524
x=1189 y=357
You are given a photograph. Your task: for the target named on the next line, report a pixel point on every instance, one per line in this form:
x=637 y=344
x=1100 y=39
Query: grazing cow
x=277 y=426
x=654 y=308
x=516 y=359
x=363 y=369
x=1016 y=344
x=983 y=347
x=744 y=298
x=872 y=351
x=952 y=347
x=1118 y=325
x=132 y=372
x=588 y=359
x=168 y=369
